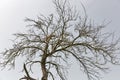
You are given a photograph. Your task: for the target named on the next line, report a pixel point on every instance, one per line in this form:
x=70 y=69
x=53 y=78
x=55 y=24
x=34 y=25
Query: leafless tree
x=51 y=41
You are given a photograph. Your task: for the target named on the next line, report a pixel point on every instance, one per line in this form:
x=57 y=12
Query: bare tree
x=51 y=41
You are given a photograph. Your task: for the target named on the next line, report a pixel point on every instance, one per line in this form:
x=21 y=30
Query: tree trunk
x=44 y=70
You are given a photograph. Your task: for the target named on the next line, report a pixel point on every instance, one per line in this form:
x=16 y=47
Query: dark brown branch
x=27 y=77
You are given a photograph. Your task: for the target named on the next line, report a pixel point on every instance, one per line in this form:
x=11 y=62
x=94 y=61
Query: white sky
x=13 y=13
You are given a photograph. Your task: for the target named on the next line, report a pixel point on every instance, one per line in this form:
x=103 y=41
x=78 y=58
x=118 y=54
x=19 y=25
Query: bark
x=43 y=66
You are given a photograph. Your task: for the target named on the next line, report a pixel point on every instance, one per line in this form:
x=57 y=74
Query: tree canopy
x=51 y=41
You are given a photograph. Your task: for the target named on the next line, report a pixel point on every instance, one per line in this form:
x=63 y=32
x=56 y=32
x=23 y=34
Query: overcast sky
x=13 y=13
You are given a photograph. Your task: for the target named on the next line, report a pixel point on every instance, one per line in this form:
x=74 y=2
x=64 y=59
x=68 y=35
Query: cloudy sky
x=13 y=13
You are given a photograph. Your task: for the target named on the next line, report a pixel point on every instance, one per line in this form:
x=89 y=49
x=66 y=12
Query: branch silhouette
x=27 y=77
